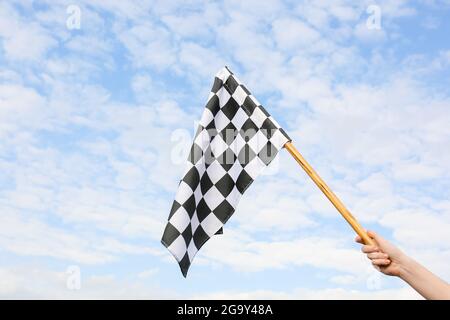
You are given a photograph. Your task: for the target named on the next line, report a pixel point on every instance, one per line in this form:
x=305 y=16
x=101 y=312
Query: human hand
x=385 y=257
x=389 y=260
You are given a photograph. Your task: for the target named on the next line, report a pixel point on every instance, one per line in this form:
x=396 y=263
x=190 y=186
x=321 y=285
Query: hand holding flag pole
x=328 y=193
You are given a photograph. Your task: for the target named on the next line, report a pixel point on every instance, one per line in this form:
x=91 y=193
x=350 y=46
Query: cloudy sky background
x=95 y=122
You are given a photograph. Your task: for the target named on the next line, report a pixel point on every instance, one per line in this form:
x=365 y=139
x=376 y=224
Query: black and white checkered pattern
x=235 y=140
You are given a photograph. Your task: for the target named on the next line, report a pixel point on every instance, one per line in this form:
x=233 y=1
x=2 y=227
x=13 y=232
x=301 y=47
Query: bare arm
x=391 y=261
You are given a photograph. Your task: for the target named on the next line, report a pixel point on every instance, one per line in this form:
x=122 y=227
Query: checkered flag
x=235 y=140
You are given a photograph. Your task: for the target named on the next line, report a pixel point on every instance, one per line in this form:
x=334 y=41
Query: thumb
x=375 y=237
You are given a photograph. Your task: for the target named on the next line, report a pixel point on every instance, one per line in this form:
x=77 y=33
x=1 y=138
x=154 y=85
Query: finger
x=381 y=262
x=373 y=235
x=358 y=239
x=377 y=255
x=369 y=249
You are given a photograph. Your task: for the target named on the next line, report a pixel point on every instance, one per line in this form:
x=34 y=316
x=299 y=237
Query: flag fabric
x=235 y=140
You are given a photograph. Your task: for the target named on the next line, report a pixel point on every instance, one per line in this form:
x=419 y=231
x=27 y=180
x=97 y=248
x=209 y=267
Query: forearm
x=424 y=281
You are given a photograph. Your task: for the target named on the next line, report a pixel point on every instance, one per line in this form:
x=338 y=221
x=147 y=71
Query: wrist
x=406 y=267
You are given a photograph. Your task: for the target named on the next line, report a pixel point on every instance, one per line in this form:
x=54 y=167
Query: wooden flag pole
x=329 y=194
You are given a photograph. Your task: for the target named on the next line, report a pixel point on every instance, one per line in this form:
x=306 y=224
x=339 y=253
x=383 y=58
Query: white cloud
x=38 y=282
x=292 y=34
x=148 y=45
x=201 y=24
x=148 y=273
x=412 y=171
x=23 y=40
x=343 y=279
x=314 y=15
x=247 y=254
x=141 y=83
x=27 y=44
x=20 y=107
x=272 y=204
x=123 y=10
x=27 y=236
x=91 y=46
x=376 y=183
x=397 y=8
x=363 y=33
x=200 y=60
x=310 y=294
x=419 y=228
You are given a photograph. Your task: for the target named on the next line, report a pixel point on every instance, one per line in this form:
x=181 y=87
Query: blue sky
x=98 y=103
